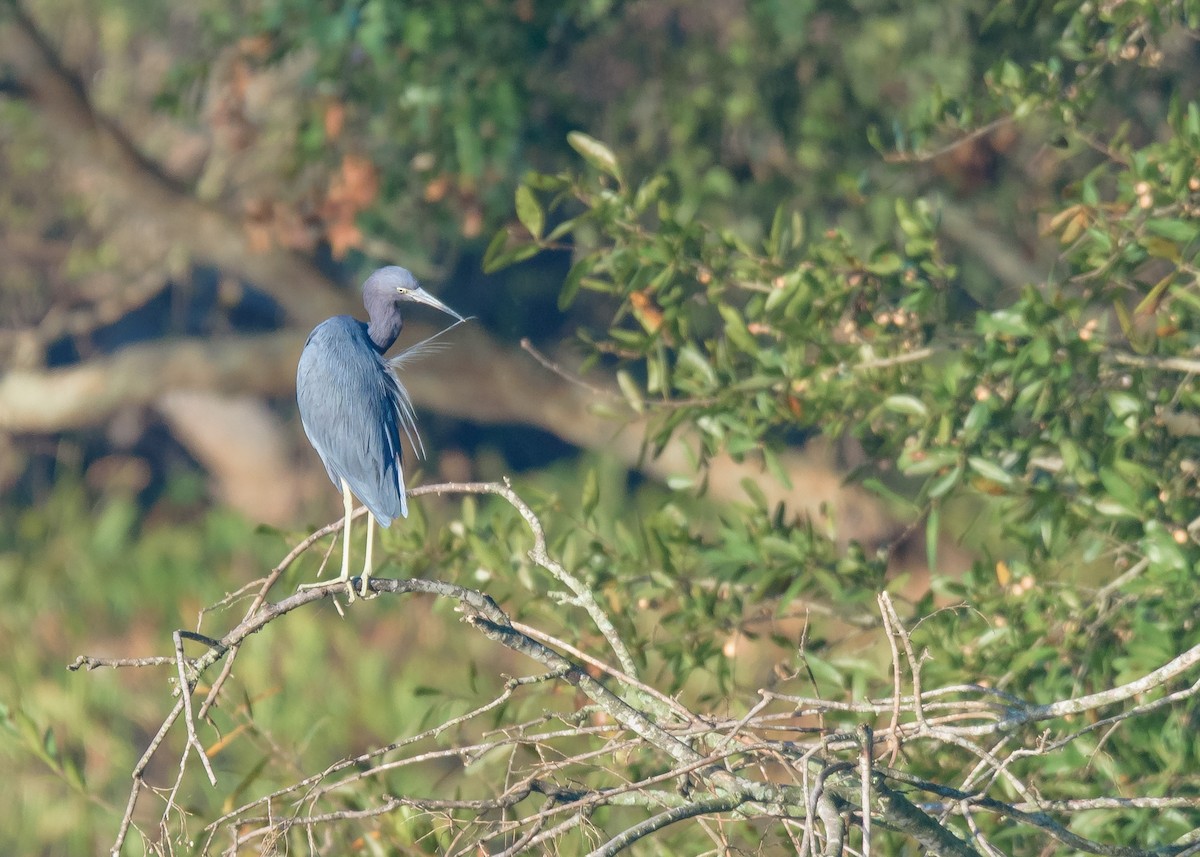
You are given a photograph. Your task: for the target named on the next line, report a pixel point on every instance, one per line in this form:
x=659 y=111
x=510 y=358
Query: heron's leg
x=348 y=505
x=344 y=577
x=363 y=590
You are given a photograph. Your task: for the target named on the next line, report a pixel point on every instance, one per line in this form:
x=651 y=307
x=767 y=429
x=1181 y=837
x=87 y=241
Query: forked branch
x=630 y=746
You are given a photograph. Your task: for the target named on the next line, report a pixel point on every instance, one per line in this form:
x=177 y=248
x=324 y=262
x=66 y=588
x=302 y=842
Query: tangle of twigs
x=647 y=759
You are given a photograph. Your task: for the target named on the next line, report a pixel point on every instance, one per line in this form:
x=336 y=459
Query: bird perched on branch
x=354 y=408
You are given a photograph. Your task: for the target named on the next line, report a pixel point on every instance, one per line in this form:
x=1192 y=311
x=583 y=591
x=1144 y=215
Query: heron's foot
x=326 y=584
x=364 y=589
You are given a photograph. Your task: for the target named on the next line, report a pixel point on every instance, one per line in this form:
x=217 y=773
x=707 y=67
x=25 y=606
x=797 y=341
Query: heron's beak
x=420 y=296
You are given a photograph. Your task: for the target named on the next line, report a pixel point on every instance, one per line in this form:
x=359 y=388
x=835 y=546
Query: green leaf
x=570 y=286
x=990 y=471
x=904 y=404
x=595 y=153
x=917 y=462
x=249 y=779
x=1119 y=489
x=1114 y=510
x=591 y=493
x=693 y=359
x=649 y=192
x=1124 y=405
x=976 y=420
x=529 y=212
x=932 y=525
x=898 y=500
x=885 y=264
x=1005 y=322
x=511 y=256
x=774 y=237
x=561 y=229
x=775 y=467
x=1161 y=548
x=735 y=329
x=495 y=247
x=50 y=744
x=755 y=493
x=823 y=671
x=941 y=486
x=1025 y=401
x=1180 y=231
x=630 y=388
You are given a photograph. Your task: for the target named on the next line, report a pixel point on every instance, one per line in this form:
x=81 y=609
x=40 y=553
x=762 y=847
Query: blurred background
x=187 y=189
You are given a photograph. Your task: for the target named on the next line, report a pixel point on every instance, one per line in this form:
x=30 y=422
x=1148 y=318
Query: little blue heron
x=353 y=406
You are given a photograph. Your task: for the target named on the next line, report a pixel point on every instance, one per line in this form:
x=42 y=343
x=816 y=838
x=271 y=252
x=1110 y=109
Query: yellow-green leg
x=364 y=589
x=344 y=577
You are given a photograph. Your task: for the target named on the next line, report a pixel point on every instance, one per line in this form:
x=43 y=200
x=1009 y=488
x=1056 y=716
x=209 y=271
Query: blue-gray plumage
x=354 y=408
x=350 y=404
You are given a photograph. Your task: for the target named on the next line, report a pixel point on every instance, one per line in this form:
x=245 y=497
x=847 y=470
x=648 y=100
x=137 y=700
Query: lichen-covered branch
x=689 y=766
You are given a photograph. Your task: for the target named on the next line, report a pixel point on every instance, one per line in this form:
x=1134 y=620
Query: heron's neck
x=383 y=331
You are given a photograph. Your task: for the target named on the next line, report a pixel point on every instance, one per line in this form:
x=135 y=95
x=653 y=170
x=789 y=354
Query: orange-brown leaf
x=360 y=180
x=472 y=223
x=334 y=119
x=343 y=235
x=646 y=311
x=437 y=188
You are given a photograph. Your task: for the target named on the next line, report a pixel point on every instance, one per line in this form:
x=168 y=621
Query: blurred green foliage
x=754 y=198
x=1067 y=413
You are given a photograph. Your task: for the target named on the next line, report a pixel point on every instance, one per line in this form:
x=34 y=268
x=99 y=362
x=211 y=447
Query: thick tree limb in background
x=151 y=218
x=144 y=213
x=476 y=380
x=246 y=449
x=90 y=393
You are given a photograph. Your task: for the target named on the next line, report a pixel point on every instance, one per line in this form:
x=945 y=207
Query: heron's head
x=393 y=285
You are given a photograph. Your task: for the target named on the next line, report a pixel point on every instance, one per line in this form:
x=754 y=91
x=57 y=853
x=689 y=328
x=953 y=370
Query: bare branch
x=922 y=156
x=539 y=554
x=663 y=819
x=185 y=694
x=830 y=770
x=1175 y=667
x=1166 y=364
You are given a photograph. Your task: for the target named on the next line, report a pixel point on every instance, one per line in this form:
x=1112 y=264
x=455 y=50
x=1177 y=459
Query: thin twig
x=540 y=555
x=957 y=716
x=569 y=377
x=185 y=694
x=865 y=773
x=914 y=356
x=893 y=728
x=663 y=819
x=669 y=705
x=933 y=154
x=1166 y=364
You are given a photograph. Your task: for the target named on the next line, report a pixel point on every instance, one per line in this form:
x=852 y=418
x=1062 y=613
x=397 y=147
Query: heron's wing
x=351 y=410
x=397 y=398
